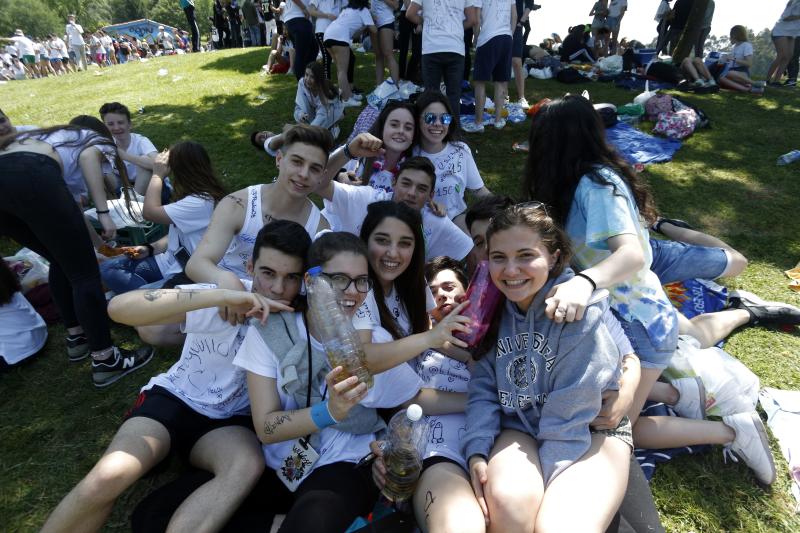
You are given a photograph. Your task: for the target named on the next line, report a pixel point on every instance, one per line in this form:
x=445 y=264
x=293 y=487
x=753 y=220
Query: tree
x=691 y=32
x=33 y=17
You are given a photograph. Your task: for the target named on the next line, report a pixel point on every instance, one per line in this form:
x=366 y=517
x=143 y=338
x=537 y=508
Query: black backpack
x=570 y=75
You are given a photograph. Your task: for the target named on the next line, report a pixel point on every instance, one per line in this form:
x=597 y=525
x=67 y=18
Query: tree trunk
x=691 y=32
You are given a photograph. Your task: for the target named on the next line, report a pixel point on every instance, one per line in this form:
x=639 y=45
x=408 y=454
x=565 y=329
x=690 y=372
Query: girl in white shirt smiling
x=456 y=170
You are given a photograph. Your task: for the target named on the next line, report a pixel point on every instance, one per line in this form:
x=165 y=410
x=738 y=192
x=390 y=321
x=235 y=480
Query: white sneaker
x=472 y=127
x=499 y=124
x=751 y=445
x=352 y=102
x=692 y=400
x=523 y=103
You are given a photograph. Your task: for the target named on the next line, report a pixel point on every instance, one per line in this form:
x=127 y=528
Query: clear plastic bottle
x=335 y=330
x=405 y=441
x=790 y=157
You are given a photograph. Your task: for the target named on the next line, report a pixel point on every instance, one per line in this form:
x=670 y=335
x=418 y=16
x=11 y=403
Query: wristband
x=347 y=152
x=587 y=278
x=149 y=249
x=102 y=212
x=321 y=415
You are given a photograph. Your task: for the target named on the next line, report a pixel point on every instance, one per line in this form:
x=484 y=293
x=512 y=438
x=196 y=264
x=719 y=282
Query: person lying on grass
x=199 y=408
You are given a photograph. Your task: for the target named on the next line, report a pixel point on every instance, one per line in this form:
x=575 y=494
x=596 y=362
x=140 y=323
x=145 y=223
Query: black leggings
x=327 y=502
x=190 y=19
x=38 y=212
x=301 y=32
x=412 y=73
x=468 y=35
x=326 y=57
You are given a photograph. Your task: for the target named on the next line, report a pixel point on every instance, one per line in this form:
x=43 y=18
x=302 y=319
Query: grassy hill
x=55 y=424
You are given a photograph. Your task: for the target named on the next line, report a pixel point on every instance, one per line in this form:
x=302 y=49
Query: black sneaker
x=77 y=347
x=763 y=313
x=790 y=83
x=121 y=363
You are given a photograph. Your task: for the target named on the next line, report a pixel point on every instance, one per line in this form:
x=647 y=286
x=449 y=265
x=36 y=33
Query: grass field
x=55 y=424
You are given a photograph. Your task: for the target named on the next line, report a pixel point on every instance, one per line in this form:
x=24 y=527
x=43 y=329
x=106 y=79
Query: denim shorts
x=650 y=355
x=678 y=261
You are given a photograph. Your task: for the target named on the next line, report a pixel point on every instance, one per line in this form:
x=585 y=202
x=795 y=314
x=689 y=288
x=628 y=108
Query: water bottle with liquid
x=405 y=443
x=335 y=330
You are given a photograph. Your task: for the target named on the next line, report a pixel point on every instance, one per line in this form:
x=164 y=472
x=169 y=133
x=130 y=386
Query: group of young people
x=535 y=423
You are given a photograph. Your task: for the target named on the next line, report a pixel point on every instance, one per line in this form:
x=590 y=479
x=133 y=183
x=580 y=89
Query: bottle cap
x=315 y=271
x=414 y=412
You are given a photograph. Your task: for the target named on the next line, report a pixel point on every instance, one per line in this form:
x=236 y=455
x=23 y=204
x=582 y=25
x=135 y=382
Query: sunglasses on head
x=444 y=118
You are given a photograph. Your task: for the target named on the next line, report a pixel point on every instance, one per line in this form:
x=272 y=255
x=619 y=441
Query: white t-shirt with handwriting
x=456 y=171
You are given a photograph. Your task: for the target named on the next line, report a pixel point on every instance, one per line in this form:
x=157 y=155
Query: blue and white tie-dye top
x=599 y=212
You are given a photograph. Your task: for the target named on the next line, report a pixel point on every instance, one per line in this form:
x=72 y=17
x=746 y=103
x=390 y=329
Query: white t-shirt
x=615 y=7
x=495 y=19
x=442 y=25
x=190 y=217
x=396 y=307
x=455 y=171
x=139 y=145
x=54 y=46
x=326 y=6
x=73 y=175
x=292 y=11
x=382 y=13
x=347 y=24
x=349 y=207
x=204 y=377
x=443 y=373
x=22 y=330
x=390 y=389
x=741 y=50
x=75 y=34
x=24 y=45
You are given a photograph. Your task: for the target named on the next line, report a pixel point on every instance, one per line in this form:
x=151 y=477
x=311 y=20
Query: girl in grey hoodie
x=534 y=462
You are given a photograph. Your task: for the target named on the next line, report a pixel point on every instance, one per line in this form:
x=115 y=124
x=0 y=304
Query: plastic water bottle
x=484 y=299
x=791 y=157
x=335 y=329
x=405 y=440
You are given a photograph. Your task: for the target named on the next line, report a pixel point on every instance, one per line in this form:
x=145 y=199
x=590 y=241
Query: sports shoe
x=692 y=400
x=523 y=103
x=352 y=102
x=499 y=124
x=750 y=445
x=121 y=363
x=790 y=83
x=699 y=83
x=77 y=347
x=763 y=313
x=472 y=127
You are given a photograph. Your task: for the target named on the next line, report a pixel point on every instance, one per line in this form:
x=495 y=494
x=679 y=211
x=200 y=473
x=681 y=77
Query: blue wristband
x=321 y=415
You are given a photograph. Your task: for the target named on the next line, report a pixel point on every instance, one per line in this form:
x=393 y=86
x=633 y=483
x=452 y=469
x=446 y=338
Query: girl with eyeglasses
x=534 y=461
x=456 y=170
x=606 y=208
x=334 y=421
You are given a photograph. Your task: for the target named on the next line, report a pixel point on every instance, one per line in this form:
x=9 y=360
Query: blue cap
x=315 y=271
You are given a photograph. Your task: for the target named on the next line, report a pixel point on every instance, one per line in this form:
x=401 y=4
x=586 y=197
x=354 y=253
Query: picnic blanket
x=639 y=147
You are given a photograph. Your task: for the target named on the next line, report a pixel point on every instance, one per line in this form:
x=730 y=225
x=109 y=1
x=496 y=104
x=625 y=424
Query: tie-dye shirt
x=599 y=212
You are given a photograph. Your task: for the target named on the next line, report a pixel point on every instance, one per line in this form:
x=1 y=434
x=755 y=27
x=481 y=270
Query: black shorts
x=518 y=45
x=389 y=26
x=330 y=43
x=435 y=460
x=493 y=60
x=185 y=425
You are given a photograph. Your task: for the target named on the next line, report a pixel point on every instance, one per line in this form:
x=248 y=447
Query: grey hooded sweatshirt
x=544 y=379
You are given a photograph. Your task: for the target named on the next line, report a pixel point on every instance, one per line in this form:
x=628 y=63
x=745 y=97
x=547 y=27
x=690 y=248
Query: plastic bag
x=645 y=96
x=31 y=269
x=731 y=387
x=610 y=64
x=384 y=92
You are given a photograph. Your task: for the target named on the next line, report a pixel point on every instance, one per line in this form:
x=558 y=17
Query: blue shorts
x=493 y=60
x=518 y=45
x=650 y=355
x=678 y=261
x=612 y=23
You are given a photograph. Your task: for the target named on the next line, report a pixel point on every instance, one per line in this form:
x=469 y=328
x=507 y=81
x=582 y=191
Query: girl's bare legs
x=444 y=501
x=784 y=48
x=515 y=487
x=586 y=495
x=702 y=69
x=341 y=56
x=386 y=39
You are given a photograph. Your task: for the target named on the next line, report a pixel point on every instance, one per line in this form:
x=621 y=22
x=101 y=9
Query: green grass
x=55 y=424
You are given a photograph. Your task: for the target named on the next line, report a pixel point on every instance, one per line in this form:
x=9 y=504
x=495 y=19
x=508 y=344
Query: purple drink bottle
x=484 y=298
